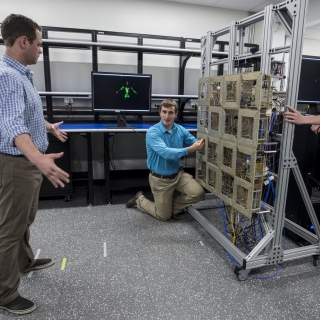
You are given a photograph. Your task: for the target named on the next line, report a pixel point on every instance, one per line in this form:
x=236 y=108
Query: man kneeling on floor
x=165 y=144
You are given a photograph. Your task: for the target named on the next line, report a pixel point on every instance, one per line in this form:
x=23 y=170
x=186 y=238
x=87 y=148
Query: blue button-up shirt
x=20 y=107
x=165 y=149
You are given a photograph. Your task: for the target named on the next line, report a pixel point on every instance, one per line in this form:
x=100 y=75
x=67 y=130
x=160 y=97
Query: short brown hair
x=17 y=25
x=167 y=103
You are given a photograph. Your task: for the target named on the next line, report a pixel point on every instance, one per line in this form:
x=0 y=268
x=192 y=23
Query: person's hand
x=315 y=128
x=61 y=135
x=294 y=116
x=55 y=175
x=197 y=146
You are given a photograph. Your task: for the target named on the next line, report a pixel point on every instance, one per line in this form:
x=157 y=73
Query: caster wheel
x=241 y=277
x=67 y=198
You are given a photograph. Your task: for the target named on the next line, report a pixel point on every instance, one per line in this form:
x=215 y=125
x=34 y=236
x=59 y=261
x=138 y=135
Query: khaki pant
x=20 y=183
x=165 y=205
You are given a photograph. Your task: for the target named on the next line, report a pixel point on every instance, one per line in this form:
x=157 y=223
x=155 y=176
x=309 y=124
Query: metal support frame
x=292 y=15
x=47 y=75
x=232 y=47
x=220 y=67
x=94 y=46
x=95 y=64
x=182 y=67
x=140 y=57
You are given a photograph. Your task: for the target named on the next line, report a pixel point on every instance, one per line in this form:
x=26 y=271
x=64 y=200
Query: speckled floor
x=124 y=264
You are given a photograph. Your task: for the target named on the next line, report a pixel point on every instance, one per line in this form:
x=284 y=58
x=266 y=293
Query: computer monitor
x=309 y=85
x=121 y=93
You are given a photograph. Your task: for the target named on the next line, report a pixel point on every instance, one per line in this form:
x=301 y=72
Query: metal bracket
x=289 y=163
x=275 y=255
x=292 y=7
x=270 y=217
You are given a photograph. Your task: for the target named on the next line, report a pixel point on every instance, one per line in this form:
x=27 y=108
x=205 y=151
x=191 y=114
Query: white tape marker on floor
x=201 y=243
x=105 y=249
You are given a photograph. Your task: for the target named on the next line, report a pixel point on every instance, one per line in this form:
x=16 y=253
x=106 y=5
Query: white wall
x=311 y=47
x=138 y=16
x=313 y=10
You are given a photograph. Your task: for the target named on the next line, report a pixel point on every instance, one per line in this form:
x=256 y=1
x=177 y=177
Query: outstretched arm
x=55 y=130
x=44 y=162
x=120 y=89
x=294 y=116
x=133 y=90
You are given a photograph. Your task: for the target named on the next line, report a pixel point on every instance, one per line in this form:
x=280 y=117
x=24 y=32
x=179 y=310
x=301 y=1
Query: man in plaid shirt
x=23 y=142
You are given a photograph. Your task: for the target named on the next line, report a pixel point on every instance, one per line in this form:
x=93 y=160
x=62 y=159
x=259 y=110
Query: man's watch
x=52 y=127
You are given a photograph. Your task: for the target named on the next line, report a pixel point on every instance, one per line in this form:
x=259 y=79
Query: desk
x=106 y=128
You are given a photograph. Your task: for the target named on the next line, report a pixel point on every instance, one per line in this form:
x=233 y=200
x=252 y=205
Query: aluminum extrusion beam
x=291 y=99
x=203 y=57
x=259 y=261
x=221 y=32
x=64 y=94
x=122 y=47
x=260 y=246
x=306 y=200
x=296 y=253
x=284 y=22
x=267 y=39
x=265 y=224
x=88 y=94
x=221 y=238
x=247 y=56
x=302 y=232
x=251 y=19
x=288 y=255
x=209 y=48
x=242 y=33
x=221 y=61
x=232 y=47
x=283 y=49
x=174 y=96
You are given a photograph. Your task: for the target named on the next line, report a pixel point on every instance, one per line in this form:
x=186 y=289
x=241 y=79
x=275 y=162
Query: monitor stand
x=121 y=123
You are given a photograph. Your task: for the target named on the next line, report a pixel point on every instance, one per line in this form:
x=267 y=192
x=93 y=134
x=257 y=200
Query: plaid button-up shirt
x=20 y=107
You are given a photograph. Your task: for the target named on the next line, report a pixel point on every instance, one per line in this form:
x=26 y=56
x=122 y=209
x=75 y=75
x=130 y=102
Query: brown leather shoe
x=175 y=217
x=133 y=201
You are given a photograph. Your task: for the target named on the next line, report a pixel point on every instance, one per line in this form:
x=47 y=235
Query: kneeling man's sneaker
x=19 y=305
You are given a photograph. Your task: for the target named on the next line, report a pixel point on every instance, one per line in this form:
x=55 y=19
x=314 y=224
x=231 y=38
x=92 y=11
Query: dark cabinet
x=47 y=189
x=305 y=147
